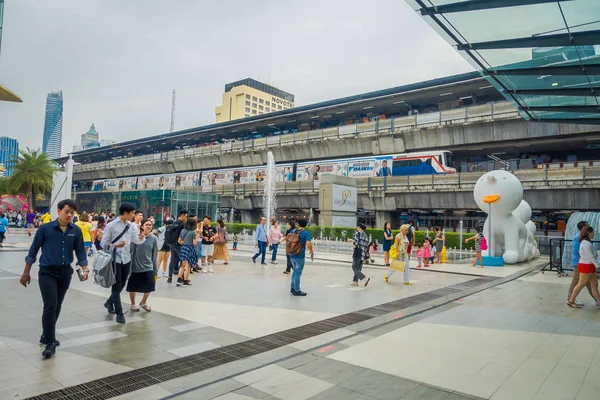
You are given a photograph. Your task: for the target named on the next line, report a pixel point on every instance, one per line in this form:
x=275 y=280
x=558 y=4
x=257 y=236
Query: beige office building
x=248 y=97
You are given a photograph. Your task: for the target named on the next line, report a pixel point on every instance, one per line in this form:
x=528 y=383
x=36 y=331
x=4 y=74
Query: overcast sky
x=118 y=61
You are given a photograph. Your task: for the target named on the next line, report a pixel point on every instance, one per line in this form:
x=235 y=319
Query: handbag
x=393 y=253
x=104 y=273
x=398 y=266
x=219 y=239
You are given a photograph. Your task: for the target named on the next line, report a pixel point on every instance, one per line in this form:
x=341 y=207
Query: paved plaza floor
x=461 y=332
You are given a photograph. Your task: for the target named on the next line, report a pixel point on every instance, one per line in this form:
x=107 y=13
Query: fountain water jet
x=269 y=203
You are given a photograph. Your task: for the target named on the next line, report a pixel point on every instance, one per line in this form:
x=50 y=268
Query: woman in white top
x=401 y=246
x=588 y=262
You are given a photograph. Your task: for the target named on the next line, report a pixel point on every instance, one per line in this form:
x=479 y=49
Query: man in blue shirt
x=299 y=259
x=384 y=170
x=261 y=241
x=58 y=240
x=575 y=260
x=3 y=228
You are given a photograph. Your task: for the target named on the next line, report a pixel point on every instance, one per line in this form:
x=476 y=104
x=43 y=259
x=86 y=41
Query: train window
x=428 y=161
x=406 y=163
x=449 y=161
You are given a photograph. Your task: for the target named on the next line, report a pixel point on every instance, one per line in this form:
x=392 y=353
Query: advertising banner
x=212 y=178
x=127 y=183
x=370 y=168
x=187 y=180
x=313 y=172
x=95 y=202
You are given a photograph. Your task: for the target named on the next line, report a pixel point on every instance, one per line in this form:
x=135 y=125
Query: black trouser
x=121 y=274
x=2 y=236
x=289 y=264
x=174 y=263
x=357 y=263
x=54 y=283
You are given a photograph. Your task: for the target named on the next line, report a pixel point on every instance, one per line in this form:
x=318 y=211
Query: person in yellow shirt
x=46 y=218
x=86 y=230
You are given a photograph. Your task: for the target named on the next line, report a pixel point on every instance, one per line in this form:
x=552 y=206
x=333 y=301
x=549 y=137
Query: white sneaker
x=210 y=269
x=274 y=262
x=165 y=275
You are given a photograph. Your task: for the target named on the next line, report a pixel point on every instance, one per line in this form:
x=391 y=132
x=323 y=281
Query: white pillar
x=62 y=186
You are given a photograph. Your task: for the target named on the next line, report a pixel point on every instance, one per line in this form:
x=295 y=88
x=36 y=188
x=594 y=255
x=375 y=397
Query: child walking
x=419 y=255
x=235 y=241
x=478 y=238
x=426 y=252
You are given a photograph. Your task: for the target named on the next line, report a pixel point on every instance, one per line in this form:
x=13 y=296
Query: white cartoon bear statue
x=524 y=213
x=510 y=238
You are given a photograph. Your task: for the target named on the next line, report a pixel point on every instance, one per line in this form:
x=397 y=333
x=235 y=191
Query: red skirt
x=586 y=268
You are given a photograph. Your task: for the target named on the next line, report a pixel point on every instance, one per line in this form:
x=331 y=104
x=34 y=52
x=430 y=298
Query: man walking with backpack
x=297 y=242
x=118 y=235
x=172 y=239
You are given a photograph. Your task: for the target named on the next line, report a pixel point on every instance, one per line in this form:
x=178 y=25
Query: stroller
x=372 y=250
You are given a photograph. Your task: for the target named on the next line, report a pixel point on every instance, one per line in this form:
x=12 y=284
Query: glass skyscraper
x=9 y=150
x=1 y=18
x=53 y=125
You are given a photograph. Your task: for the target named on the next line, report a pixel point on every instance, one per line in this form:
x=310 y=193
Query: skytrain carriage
x=424 y=163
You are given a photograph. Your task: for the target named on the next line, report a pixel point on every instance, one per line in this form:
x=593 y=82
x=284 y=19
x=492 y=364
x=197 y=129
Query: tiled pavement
x=489 y=344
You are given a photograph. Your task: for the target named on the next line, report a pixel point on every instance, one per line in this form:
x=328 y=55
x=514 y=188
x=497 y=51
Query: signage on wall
x=282 y=102
x=344 y=198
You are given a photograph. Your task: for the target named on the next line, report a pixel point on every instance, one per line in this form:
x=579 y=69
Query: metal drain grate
x=127 y=382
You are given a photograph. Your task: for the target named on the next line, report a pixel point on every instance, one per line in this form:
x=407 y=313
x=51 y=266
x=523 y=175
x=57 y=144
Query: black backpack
x=172 y=234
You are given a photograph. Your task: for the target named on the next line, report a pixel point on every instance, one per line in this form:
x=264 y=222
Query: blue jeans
x=262 y=251
x=274 y=256
x=298 y=265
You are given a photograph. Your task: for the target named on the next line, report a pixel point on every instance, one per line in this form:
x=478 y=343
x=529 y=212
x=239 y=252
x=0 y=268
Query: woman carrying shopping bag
x=401 y=262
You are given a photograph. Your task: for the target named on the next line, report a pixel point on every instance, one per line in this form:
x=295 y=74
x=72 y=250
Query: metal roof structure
x=388 y=101
x=8 y=95
x=543 y=55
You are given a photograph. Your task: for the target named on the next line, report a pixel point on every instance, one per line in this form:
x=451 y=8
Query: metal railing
x=561 y=254
x=486 y=112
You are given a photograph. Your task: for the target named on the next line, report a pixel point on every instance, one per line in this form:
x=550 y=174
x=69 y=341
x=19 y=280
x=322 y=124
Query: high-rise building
x=53 y=125
x=90 y=138
x=249 y=97
x=9 y=150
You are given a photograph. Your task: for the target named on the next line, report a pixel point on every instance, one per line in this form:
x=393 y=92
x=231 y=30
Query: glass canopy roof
x=543 y=55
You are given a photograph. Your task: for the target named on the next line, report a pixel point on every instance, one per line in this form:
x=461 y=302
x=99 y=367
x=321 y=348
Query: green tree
x=33 y=173
x=5 y=187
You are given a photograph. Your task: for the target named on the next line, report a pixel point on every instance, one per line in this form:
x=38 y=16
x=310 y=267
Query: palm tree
x=33 y=173
x=5 y=187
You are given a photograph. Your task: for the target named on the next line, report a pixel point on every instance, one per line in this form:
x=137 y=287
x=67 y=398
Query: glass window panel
x=565 y=115
x=547 y=81
x=541 y=101
x=491 y=24
x=582 y=12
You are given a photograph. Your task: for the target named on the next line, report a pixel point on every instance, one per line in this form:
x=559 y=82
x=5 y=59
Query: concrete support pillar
x=250 y=216
x=381 y=217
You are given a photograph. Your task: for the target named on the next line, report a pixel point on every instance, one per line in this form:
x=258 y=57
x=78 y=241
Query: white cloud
x=117 y=62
